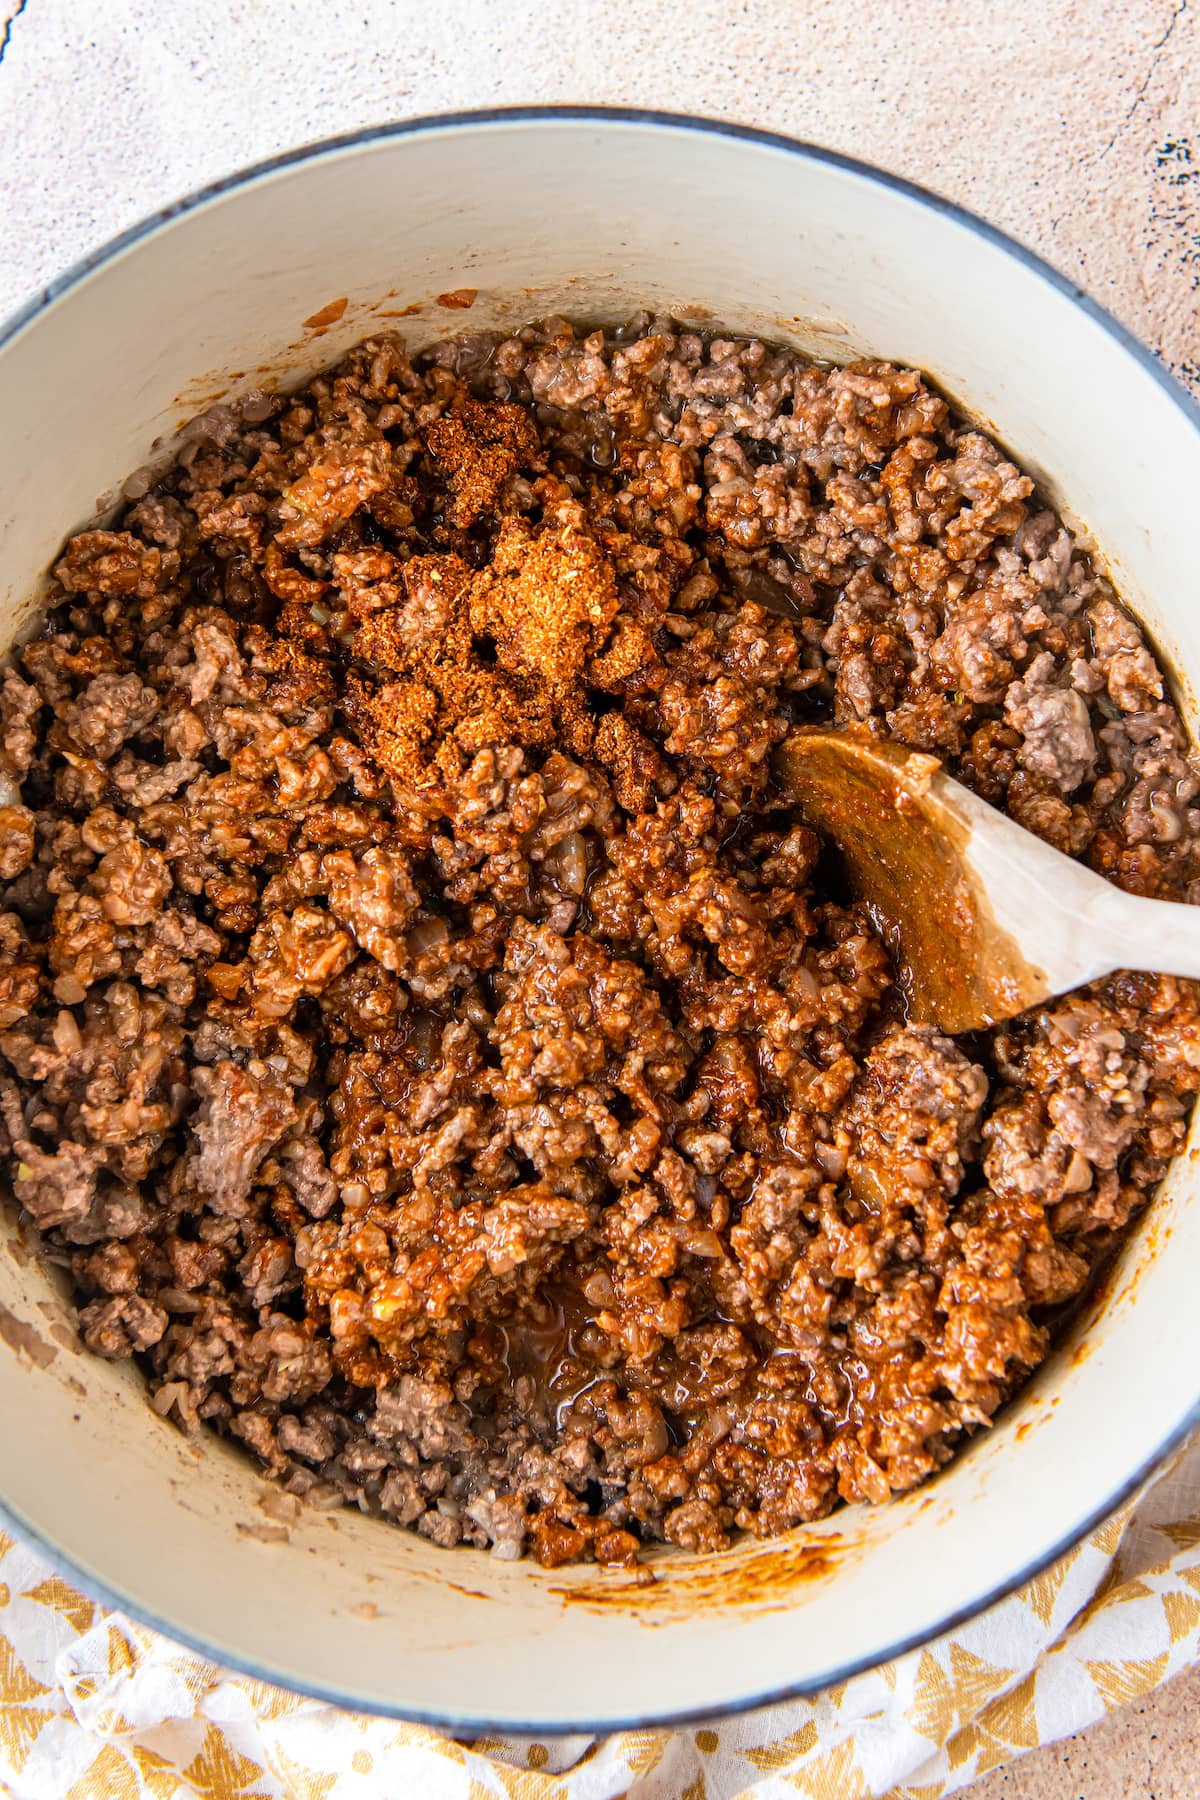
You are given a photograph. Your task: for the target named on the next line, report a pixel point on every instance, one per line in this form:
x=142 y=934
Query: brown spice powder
x=477 y=447
x=501 y=655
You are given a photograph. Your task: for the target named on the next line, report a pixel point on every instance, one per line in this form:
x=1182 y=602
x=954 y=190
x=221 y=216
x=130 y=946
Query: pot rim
x=1151 y=364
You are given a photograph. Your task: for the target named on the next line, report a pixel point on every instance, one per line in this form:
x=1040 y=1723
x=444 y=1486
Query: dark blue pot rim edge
x=468 y=1726
x=460 y=1726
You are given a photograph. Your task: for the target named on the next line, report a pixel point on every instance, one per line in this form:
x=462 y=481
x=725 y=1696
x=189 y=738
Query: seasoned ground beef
x=428 y=1040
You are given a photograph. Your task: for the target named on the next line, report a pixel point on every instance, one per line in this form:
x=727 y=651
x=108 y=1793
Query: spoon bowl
x=986 y=919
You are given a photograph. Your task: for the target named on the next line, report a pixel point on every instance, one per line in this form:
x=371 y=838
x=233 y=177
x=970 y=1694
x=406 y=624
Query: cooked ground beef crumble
x=429 y=1043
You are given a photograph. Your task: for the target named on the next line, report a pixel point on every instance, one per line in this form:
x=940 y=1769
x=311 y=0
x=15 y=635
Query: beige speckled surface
x=1075 y=125
x=1148 y=1752
x=1069 y=123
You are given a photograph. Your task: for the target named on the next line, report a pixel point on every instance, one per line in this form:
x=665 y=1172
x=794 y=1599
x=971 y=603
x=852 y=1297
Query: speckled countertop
x=1075 y=125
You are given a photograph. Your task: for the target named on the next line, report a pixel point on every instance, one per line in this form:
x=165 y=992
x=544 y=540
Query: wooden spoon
x=987 y=919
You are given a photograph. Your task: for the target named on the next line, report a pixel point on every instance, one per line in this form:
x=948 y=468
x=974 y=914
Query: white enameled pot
x=595 y=215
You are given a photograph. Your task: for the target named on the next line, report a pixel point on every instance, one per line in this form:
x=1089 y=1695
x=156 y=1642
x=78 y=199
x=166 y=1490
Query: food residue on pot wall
x=328 y=315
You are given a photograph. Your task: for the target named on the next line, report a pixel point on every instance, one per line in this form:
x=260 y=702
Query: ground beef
x=437 y=1053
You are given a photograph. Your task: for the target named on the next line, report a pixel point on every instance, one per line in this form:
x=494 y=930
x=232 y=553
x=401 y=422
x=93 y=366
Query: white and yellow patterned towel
x=93 y=1707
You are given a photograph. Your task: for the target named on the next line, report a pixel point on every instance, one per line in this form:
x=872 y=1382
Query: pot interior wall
x=594 y=219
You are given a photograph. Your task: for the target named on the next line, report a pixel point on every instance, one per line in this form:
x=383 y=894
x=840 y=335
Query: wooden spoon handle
x=989 y=919
x=1131 y=932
